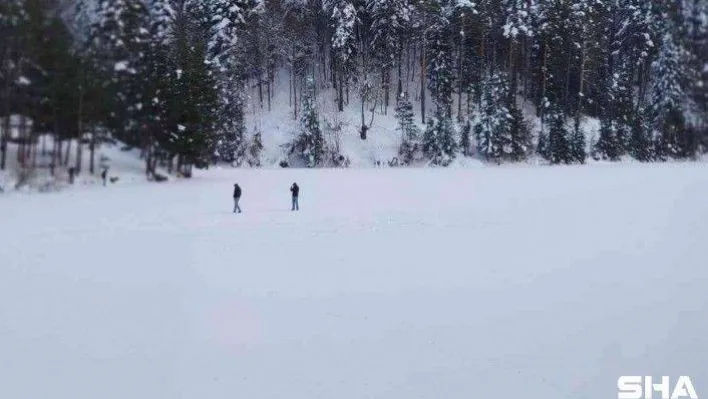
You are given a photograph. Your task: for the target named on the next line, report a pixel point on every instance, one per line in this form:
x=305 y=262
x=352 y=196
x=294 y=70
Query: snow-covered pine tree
x=542 y=148
x=439 y=143
x=162 y=19
x=226 y=20
x=466 y=138
x=560 y=57
x=81 y=20
x=309 y=144
x=343 y=17
x=669 y=97
x=609 y=144
x=628 y=45
x=120 y=39
x=520 y=134
x=410 y=134
x=518 y=21
x=559 y=149
x=429 y=144
x=441 y=66
x=517 y=28
x=696 y=22
x=492 y=124
x=641 y=143
x=255 y=149
x=390 y=23
x=617 y=116
x=501 y=132
x=192 y=94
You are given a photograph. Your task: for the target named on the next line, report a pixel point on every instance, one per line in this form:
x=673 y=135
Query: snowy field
x=510 y=282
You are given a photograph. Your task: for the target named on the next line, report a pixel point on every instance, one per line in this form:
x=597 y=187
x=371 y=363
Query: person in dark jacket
x=104 y=176
x=237 y=197
x=295 y=190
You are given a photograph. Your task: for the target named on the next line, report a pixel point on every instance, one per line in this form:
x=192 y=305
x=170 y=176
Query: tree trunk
x=68 y=151
x=148 y=160
x=30 y=144
x=4 y=138
x=79 y=153
x=581 y=94
x=566 y=95
x=544 y=72
x=413 y=62
x=92 y=149
x=340 y=88
x=387 y=86
x=363 y=123
x=4 y=135
x=268 y=87
x=35 y=146
x=422 y=82
x=24 y=141
x=459 y=80
x=399 y=88
x=60 y=151
x=295 y=99
x=79 y=156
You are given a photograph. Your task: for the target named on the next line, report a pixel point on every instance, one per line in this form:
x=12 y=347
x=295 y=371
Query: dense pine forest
x=169 y=77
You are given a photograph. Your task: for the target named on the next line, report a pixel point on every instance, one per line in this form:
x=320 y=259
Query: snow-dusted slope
x=494 y=282
x=279 y=125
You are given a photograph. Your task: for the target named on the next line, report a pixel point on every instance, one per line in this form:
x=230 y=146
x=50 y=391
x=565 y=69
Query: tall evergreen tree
x=226 y=20
x=668 y=98
x=309 y=144
x=559 y=150
x=410 y=134
x=439 y=144
x=466 y=138
x=120 y=40
x=441 y=76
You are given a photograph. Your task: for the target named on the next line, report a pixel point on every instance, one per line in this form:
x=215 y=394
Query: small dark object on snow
x=158 y=177
x=114 y=179
x=283 y=164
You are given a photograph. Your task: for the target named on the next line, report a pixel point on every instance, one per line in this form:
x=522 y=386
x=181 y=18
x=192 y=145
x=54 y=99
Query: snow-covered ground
x=513 y=282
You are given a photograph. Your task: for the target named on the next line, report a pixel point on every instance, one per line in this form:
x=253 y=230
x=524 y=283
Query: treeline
x=170 y=76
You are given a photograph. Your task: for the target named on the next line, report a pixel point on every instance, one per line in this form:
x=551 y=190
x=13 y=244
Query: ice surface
x=519 y=282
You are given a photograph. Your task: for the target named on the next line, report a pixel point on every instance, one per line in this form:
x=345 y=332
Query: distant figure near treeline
x=237 y=197
x=295 y=190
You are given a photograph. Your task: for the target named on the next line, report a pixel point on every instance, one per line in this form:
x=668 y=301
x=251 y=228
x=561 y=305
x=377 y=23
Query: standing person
x=237 y=197
x=295 y=190
x=104 y=175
